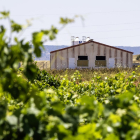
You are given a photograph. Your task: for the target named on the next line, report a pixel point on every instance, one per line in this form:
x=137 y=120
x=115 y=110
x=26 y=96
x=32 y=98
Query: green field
x=79 y=104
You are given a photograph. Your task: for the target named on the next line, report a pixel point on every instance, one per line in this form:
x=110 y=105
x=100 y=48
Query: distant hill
x=135 y=50
x=48 y=48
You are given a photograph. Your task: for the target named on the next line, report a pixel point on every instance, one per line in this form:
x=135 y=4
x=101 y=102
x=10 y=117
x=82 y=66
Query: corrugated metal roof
x=90 y=42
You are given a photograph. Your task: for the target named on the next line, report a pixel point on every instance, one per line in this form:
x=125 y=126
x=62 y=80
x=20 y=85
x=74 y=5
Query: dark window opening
x=82 y=57
x=100 y=57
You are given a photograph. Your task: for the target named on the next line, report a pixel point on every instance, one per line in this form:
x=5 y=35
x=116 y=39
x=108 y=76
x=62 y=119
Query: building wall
x=107 y=56
x=52 y=60
x=76 y=50
x=118 y=58
x=90 y=52
x=130 y=60
x=60 y=59
x=112 y=53
x=64 y=59
x=131 y=57
x=81 y=47
x=124 y=59
x=102 y=48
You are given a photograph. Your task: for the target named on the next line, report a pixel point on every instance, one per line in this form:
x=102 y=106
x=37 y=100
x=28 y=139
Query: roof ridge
x=90 y=42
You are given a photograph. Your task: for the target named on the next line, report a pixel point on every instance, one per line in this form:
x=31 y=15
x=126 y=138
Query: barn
x=90 y=54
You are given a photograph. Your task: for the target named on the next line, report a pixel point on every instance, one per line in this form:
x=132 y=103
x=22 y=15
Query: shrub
x=138 y=57
x=44 y=80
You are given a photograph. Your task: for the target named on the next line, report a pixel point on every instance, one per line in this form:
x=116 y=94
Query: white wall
x=107 y=56
x=61 y=58
x=124 y=59
x=52 y=61
x=64 y=59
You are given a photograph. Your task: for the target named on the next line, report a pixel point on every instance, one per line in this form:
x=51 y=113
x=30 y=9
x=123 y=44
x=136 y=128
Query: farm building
x=90 y=54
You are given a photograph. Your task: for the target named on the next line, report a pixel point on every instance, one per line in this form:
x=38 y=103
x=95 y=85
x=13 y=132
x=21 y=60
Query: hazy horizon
x=110 y=22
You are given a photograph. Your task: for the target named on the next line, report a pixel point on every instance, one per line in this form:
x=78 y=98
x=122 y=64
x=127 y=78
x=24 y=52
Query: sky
x=112 y=22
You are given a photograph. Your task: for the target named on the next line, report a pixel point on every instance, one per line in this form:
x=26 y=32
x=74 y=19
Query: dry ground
x=88 y=74
x=134 y=59
x=43 y=64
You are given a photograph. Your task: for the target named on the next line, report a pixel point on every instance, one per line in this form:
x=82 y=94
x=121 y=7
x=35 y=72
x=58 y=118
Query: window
x=82 y=61
x=100 y=57
x=82 y=57
x=100 y=61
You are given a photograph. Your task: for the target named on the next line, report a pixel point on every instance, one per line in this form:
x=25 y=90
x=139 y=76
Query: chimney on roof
x=91 y=40
x=83 y=39
x=76 y=41
x=72 y=40
x=87 y=39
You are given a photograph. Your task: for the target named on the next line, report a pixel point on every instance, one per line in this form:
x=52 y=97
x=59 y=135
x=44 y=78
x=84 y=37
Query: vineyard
x=63 y=105
x=71 y=109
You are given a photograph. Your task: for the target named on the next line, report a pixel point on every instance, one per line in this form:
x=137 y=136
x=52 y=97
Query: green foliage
x=15 y=27
x=51 y=33
x=5 y=14
x=35 y=105
x=138 y=57
x=65 y=20
x=45 y=80
x=88 y=74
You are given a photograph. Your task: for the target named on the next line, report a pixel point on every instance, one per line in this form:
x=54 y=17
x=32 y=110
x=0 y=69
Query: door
x=71 y=63
x=111 y=62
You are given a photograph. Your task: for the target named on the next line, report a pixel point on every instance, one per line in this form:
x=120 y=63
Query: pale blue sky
x=113 y=22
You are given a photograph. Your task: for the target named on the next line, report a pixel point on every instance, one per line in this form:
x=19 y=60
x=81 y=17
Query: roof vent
x=76 y=41
x=83 y=39
x=87 y=39
x=91 y=40
x=72 y=40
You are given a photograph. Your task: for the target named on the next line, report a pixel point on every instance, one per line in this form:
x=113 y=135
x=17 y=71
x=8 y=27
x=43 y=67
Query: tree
x=138 y=57
x=17 y=87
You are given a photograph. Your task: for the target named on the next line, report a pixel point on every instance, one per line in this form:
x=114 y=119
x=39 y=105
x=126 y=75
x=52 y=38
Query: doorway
x=111 y=62
x=71 y=63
